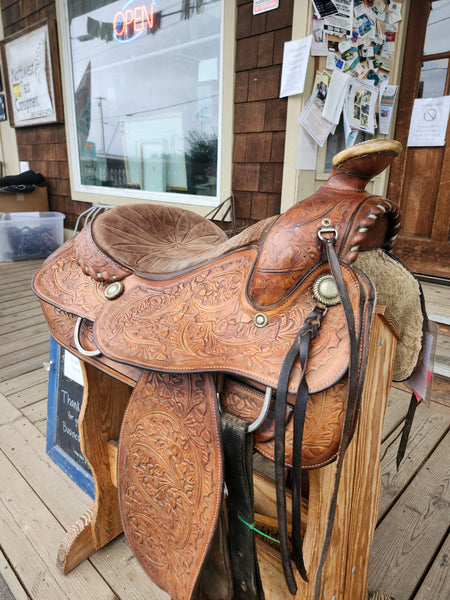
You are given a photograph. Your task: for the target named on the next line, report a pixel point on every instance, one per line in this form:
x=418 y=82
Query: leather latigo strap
x=170 y=476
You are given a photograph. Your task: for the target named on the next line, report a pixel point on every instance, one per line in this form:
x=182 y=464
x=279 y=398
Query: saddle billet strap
x=407 y=428
x=238 y=453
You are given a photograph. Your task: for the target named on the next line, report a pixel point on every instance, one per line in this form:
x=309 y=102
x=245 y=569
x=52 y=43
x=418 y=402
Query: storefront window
x=146 y=95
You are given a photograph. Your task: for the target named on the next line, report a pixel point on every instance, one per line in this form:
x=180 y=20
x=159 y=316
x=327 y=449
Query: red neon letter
x=138 y=20
x=149 y=17
x=119 y=17
x=128 y=19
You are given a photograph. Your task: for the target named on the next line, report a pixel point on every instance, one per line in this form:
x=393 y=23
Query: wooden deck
x=38 y=502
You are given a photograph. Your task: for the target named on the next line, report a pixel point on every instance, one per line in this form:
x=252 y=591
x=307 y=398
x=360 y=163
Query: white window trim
x=113 y=196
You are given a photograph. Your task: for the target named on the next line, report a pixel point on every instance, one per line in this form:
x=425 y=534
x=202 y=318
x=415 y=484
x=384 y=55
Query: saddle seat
x=156 y=242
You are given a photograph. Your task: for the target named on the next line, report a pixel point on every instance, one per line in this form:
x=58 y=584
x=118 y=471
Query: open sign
x=129 y=23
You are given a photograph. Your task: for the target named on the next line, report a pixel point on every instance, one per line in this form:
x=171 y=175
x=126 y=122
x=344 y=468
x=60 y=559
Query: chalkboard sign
x=65 y=395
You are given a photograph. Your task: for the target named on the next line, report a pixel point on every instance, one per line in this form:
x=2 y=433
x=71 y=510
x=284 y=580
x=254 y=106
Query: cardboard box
x=30 y=235
x=34 y=201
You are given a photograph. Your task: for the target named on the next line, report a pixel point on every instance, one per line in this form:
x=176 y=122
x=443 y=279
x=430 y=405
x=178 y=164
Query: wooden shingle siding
x=260 y=115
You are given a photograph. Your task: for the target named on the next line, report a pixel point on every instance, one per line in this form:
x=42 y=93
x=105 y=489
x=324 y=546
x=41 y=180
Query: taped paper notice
x=429 y=121
x=336 y=95
x=313 y=121
x=260 y=6
x=361 y=102
x=341 y=23
x=295 y=63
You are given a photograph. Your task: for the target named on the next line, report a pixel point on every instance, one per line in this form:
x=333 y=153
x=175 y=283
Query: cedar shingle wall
x=259 y=124
x=43 y=146
x=260 y=115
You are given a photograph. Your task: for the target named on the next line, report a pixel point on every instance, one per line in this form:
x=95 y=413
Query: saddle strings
x=300 y=348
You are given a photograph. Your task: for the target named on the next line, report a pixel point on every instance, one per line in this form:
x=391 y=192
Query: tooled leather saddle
x=265 y=332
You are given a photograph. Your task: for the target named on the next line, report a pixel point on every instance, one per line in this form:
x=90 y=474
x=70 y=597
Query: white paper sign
x=295 y=63
x=72 y=368
x=312 y=120
x=337 y=92
x=429 y=121
x=387 y=100
x=306 y=158
x=361 y=103
x=341 y=23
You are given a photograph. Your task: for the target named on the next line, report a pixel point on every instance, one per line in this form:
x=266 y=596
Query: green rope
x=252 y=526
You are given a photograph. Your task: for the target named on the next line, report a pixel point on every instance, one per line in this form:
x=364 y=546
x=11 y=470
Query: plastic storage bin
x=30 y=235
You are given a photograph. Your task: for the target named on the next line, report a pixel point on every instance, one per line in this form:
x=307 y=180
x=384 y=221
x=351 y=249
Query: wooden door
x=420 y=177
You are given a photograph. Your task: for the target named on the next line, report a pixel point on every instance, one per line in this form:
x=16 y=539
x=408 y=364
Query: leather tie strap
x=300 y=348
x=238 y=453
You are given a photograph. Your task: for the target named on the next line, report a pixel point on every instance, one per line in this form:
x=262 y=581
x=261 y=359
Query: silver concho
x=325 y=290
x=113 y=290
x=260 y=320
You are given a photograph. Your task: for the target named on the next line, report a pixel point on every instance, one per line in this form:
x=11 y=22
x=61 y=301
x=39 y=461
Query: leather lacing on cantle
x=375 y=208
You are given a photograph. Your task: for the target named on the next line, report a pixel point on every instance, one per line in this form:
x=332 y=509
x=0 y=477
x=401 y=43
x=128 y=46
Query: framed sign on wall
x=32 y=77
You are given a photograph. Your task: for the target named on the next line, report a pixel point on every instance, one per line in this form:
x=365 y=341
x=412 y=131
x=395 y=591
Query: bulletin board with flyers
x=355 y=43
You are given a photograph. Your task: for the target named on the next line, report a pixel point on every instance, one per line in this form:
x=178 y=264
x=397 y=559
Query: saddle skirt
x=162 y=290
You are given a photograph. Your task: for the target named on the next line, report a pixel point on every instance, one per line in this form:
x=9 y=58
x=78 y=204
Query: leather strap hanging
x=238 y=454
x=300 y=348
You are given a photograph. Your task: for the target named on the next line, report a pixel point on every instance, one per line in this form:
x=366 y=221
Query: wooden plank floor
x=38 y=502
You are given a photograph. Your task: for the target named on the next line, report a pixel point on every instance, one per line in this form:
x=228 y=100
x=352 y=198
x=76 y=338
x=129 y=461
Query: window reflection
x=432 y=78
x=146 y=81
x=437 y=39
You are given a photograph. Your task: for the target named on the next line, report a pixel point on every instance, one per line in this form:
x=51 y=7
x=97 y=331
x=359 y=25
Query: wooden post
x=104 y=402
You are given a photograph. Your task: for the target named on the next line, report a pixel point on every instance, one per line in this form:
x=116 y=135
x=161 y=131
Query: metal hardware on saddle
x=113 y=290
x=260 y=319
x=325 y=290
x=76 y=340
x=263 y=414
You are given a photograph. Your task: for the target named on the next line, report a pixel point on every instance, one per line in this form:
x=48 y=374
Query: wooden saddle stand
x=258 y=342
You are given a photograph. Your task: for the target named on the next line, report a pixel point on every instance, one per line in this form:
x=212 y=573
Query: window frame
x=118 y=196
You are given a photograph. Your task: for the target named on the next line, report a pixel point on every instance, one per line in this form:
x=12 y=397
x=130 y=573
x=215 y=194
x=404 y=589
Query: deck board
x=30 y=533
x=436 y=585
x=410 y=555
x=414 y=528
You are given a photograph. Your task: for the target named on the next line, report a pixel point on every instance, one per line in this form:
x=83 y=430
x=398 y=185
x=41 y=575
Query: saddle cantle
x=275 y=319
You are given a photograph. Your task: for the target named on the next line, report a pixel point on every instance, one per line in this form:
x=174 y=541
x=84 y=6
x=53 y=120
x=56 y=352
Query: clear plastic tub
x=30 y=235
